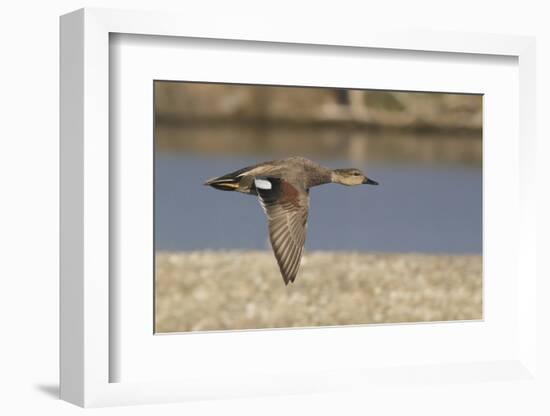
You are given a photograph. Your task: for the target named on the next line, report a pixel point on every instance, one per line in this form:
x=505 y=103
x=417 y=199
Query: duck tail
x=223 y=183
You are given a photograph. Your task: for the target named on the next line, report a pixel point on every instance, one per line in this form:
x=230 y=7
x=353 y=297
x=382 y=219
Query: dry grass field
x=221 y=290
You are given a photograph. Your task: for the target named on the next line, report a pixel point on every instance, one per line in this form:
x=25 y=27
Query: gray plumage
x=282 y=187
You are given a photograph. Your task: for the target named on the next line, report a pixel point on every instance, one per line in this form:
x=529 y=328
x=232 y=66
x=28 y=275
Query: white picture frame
x=87 y=301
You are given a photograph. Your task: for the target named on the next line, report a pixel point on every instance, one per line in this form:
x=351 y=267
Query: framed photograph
x=268 y=212
x=221 y=264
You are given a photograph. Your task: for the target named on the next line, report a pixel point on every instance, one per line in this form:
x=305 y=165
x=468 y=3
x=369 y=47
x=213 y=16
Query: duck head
x=351 y=177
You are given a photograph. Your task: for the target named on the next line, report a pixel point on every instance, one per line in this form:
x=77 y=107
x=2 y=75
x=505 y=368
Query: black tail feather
x=223 y=184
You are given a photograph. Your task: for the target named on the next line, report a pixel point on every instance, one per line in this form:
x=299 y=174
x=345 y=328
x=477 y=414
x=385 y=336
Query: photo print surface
x=279 y=207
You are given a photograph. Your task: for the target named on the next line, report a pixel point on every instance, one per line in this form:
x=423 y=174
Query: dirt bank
x=217 y=290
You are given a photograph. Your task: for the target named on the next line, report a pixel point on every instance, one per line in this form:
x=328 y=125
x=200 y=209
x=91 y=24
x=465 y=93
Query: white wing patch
x=262 y=184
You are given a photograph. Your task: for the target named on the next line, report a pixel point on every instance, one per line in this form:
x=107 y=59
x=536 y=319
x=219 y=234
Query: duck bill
x=368 y=181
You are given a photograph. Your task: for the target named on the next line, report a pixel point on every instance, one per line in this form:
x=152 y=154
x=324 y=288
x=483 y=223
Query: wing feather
x=286 y=207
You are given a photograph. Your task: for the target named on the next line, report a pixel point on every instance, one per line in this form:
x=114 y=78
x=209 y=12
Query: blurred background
x=425 y=149
x=408 y=250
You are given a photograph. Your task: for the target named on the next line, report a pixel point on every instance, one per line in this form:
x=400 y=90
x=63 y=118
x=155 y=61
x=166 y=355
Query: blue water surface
x=426 y=208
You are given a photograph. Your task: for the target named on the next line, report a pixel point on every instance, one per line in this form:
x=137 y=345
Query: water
x=430 y=208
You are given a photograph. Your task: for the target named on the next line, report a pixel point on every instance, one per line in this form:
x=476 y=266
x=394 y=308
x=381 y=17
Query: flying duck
x=282 y=187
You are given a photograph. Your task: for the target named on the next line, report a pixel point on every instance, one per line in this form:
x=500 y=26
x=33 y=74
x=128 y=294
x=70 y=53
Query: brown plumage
x=282 y=187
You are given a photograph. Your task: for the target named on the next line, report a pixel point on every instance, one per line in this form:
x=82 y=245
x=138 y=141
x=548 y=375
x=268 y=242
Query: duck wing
x=286 y=206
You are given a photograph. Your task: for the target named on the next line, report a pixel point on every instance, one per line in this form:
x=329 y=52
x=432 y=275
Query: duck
x=282 y=187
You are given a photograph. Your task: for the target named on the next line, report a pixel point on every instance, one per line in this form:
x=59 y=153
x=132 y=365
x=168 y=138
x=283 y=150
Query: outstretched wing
x=286 y=207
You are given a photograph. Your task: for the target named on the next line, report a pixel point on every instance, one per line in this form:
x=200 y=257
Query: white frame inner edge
x=136 y=61
x=85 y=219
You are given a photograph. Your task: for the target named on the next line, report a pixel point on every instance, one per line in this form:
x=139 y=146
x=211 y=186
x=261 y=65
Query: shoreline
x=237 y=290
